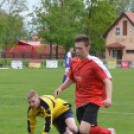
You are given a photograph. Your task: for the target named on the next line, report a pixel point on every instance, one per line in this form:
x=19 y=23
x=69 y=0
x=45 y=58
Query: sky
x=30 y=4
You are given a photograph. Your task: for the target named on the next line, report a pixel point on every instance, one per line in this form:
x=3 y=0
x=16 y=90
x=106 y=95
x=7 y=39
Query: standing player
x=57 y=112
x=67 y=63
x=93 y=87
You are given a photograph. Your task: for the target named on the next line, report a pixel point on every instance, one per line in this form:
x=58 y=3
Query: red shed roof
x=22 y=49
x=115 y=45
x=129 y=16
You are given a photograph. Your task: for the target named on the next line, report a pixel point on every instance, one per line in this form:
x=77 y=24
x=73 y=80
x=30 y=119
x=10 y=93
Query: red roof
x=129 y=16
x=115 y=45
x=22 y=49
x=42 y=48
x=34 y=46
x=31 y=43
x=46 y=49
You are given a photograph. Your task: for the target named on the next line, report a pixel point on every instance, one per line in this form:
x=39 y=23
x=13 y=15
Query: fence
x=19 y=55
x=26 y=63
x=60 y=63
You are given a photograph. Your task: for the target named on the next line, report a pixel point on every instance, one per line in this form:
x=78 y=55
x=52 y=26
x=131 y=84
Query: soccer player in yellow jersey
x=55 y=112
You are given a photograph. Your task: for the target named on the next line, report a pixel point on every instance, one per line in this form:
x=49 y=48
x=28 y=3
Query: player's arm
x=48 y=117
x=31 y=123
x=108 y=85
x=47 y=121
x=69 y=56
x=65 y=85
x=103 y=74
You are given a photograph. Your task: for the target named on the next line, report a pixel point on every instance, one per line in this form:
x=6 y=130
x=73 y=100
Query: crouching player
x=55 y=112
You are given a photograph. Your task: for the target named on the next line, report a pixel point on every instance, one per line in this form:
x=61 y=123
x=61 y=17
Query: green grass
x=14 y=84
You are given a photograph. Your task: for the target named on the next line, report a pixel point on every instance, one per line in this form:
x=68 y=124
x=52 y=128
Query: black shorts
x=88 y=113
x=59 y=122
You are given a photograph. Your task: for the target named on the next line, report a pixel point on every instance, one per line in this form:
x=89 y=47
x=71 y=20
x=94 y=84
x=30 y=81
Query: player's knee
x=67 y=131
x=72 y=129
x=84 y=130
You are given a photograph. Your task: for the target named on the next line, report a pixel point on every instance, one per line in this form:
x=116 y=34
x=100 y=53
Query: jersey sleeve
x=100 y=71
x=48 y=117
x=69 y=55
x=31 y=122
x=47 y=122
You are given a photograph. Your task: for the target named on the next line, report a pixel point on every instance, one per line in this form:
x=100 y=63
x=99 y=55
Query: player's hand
x=107 y=103
x=57 y=92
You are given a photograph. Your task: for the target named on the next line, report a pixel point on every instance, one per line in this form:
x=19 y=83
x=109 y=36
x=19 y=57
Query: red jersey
x=88 y=76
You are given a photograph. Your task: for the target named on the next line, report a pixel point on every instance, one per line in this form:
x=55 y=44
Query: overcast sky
x=30 y=4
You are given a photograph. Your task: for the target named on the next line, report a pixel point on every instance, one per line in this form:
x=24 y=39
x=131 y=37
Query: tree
x=97 y=18
x=3 y=24
x=124 y=6
x=2 y=3
x=13 y=24
x=59 y=21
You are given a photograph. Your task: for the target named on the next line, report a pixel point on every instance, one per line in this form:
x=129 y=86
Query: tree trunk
x=6 y=54
x=50 y=56
x=57 y=51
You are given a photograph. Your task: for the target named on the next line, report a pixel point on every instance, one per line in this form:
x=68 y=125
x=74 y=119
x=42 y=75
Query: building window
x=130 y=51
x=124 y=28
x=114 y=53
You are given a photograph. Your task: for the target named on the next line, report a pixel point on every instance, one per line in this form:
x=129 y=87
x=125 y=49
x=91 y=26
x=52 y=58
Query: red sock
x=98 y=130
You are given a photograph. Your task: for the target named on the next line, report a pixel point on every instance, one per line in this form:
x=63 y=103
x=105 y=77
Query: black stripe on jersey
x=44 y=104
x=51 y=100
x=28 y=126
x=47 y=124
x=39 y=113
x=28 y=111
x=65 y=104
x=48 y=111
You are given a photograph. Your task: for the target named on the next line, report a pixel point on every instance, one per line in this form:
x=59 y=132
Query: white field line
x=75 y=109
x=12 y=106
x=114 y=103
x=11 y=96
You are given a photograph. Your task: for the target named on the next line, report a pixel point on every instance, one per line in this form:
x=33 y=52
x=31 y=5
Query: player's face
x=71 y=50
x=34 y=102
x=81 y=50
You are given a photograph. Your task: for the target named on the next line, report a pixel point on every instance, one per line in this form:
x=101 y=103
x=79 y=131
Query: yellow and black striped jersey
x=49 y=109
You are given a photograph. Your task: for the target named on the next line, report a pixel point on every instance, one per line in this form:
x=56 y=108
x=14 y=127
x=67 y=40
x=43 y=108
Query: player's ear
x=88 y=47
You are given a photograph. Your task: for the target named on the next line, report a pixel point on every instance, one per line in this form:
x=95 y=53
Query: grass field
x=14 y=84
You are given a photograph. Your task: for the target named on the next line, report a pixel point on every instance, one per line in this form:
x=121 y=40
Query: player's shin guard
x=98 y=130
x=64 y=78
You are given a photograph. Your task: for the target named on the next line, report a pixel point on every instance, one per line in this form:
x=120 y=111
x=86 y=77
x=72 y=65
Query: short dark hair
x=82 y=38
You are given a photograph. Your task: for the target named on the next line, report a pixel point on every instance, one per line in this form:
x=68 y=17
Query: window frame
x=124 y=28
x=114 y=53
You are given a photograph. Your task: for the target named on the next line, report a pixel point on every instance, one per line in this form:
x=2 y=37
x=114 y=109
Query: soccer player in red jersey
x=93 y=87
